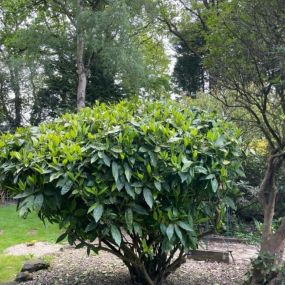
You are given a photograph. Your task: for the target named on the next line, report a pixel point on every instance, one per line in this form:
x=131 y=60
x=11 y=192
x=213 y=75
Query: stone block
x=35 y=265
x=24 y=277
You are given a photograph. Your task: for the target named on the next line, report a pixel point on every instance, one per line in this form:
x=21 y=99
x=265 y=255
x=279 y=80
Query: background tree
x=188 y=72
x=12 y=63
x=119 y=42
x=246 y=59
x=186 y=22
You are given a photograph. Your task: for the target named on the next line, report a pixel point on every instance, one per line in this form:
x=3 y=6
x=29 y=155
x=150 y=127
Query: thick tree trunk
x=81 y=70
x=272 y=243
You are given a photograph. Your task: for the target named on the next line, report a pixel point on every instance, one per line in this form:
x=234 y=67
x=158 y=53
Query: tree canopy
x=246 y=61
x=40 y=55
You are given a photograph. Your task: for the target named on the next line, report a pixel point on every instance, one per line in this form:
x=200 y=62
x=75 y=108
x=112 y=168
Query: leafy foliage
x=246 y=56
x=141 y=177
x=248 y=206
x=270 y=272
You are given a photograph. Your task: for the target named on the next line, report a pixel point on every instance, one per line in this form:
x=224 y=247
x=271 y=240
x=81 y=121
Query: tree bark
x=81 y=69
x=17 y=92
x=272 y=243
x=139 y=276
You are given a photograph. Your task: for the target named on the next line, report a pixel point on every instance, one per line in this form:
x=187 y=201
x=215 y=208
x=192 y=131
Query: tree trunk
x=139 y=276
x=147 y=273
x=17 y=92
x=2 y=197
x=272 y=243
x=81 y=70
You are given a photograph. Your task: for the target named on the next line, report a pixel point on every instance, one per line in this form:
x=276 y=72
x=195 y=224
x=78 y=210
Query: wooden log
x=224 y=239
x=210 y=255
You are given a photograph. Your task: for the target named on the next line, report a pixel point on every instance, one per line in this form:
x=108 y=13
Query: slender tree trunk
x=272 y=243
x=2 y=197
x=6 y=112
x=15 y=78
x=81 y=69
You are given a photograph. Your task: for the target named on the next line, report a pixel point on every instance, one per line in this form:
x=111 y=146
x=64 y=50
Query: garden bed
x=75 y=267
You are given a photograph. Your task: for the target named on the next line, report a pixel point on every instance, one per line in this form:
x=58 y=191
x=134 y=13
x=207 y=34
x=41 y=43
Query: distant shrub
x=248 y=206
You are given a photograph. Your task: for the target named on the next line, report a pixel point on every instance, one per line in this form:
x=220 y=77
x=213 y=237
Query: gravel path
x=72 y=267
x=37 y=249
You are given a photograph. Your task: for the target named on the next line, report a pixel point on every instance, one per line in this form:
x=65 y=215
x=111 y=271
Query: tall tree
x=105 y=29
x=12 y=61
x=189 y=73
x=81 y=68
x=186 y=21
x=246 y=59
x=62 y=41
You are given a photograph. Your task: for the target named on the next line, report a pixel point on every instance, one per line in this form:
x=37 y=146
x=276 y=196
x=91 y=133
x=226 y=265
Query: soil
x=72 y=267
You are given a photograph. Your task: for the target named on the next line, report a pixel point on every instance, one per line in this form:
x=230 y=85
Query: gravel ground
x=37 y=249
x=74 y=267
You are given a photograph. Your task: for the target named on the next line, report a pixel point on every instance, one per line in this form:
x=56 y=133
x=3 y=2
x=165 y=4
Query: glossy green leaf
x=229 y=202
x=130 y=190
x=116 y=235
x=38 y=202
x=148 y=197
x=98 y=212
x=129 y=218
x=66 y=187
x=170 y=231
x=115 y=170
x=128 y=172
x=185 y=226
x=214 y=185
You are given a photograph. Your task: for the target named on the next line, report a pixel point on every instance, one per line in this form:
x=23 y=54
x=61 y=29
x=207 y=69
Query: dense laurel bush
x=139 y=179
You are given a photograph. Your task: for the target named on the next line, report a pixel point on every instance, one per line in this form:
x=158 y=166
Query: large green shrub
x=138 y=179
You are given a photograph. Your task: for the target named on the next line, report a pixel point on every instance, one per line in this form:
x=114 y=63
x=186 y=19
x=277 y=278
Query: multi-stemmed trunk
x=145 y=269
x=150 y=273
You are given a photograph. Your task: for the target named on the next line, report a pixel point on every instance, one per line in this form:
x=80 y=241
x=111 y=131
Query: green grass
x=10 y=266
x=15 y=230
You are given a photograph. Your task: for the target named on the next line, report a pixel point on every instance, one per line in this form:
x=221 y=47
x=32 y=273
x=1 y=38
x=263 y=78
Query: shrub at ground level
x=267 y=271
x=138 y=179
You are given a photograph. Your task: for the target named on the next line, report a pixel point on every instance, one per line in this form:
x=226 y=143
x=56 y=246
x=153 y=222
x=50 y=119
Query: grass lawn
x=15 y=230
